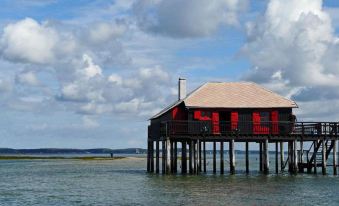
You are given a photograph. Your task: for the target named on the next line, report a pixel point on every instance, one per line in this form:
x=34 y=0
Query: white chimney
x=181 y=88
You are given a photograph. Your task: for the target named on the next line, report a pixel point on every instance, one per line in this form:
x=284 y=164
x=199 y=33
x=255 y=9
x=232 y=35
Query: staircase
x=315 y=154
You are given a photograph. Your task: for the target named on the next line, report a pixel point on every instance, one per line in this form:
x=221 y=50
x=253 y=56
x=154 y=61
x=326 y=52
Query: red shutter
x=215 y=121
x=197 y=115
x=175 y=113
x=275 y=120
x=234 y=120
x=256 y=122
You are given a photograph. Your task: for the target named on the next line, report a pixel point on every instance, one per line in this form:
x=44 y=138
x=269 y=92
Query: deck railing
x=179 y=127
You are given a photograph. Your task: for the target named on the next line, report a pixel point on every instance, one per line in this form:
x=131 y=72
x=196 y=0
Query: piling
x=204 y=145
x=266 y=157
x=163 y=157
x=183 y=157
x=276 y=158
x=221 y=157
x=334 y=157
x=232 y=156
x=282 y=161
x=157 y=156
x=214 y=157
x=246 y=157
x=168 y=156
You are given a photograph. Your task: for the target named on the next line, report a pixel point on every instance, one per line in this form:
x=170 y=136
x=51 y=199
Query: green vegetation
x=57 y=158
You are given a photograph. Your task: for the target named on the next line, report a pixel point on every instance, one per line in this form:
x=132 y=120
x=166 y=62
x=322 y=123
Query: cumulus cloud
x=27 y=78
x=293 y=44
x=190 y=18
x=27 y=40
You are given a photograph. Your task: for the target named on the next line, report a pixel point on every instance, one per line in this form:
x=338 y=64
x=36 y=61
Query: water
x=125 y=182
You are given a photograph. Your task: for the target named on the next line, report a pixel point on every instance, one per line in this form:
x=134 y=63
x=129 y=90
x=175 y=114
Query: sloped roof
x=233 y=95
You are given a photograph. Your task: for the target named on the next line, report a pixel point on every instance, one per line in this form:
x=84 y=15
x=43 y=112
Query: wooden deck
x=194 y=135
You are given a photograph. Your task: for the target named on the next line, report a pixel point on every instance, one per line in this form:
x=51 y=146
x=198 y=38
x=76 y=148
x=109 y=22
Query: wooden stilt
x=157 y=156
x=199 y=156
x=148 y=157
x=246 y=157
x=323 y=157
x=190 y=157
x=266 y=157
x=260 y=157
x=232 y=156
x=282 y=159
x=221 y=157
x=295 y=157
x=290 y=156
x=183 y=158
x=301 y=156
x=163 y=157
x=214 y=157
x=152 y=156
x=172 y=156
x=175 y=157
x=334 y=157
x=168 y=156
x=276 y=158
x=315 y=143
x=204 y=144
x=195 y=168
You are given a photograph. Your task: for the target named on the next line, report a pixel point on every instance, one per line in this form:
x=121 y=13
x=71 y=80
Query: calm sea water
x=125 y=182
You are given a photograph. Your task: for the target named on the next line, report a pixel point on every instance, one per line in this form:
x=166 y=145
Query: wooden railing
x=243 y=128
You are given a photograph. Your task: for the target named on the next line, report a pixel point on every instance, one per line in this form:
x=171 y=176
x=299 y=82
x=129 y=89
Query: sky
x=90 y=73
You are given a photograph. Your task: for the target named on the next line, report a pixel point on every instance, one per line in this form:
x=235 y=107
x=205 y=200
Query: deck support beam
x=232 y=156
x=195 y=157
x=157 y=156
x=199 y=155
x=221 y=157
x=246 y=158
x=214 y=157
x=175 y=156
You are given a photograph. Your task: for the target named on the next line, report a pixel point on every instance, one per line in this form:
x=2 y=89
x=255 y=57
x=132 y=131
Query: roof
x=232 y=95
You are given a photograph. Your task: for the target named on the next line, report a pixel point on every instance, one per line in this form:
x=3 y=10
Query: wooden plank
x=247 y=158
x=221 y=157
x=214 y=157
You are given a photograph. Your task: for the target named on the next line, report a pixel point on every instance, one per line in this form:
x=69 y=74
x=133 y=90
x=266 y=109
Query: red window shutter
x=197 y=114
x=175 y=113
x=234 y=120
x=275 y=121
x=256 y=122
x=215 y=121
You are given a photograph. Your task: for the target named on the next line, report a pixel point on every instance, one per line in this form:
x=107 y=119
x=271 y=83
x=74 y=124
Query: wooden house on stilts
x=219 y=112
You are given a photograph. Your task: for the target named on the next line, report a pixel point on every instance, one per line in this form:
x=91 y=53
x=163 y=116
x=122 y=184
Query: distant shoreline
x=27 y=157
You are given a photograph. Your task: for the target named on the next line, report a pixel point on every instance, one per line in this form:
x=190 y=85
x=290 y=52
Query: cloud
x=28 y=78
x=293 y=44
x=190 y=18
x=29 y=41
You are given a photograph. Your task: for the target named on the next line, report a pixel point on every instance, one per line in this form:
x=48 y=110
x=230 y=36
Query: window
x=205 y=114
x=264 y=116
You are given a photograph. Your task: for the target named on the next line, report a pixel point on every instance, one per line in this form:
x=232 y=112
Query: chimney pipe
x=181 y=88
